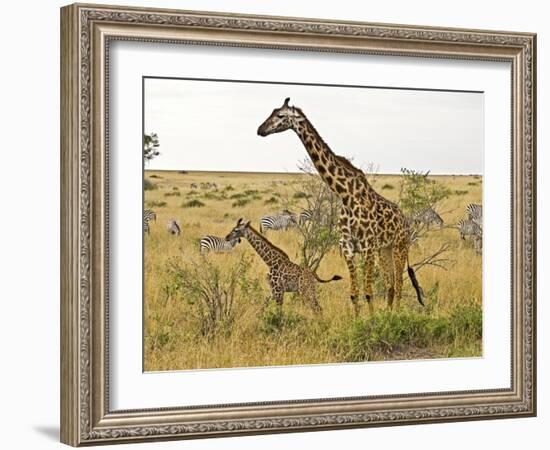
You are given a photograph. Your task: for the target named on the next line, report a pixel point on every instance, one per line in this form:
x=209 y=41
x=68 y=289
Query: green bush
x=386 y=332
x=419 y=192
x=195 y=203
x=387 y=186
x=460 y=192
x=173 y=194
x=300 y=194
x=149 y=185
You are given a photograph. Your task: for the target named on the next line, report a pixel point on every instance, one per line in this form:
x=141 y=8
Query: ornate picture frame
x=87 y=32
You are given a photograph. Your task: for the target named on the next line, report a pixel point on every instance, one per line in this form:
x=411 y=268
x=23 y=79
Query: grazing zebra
x=475 y=213
x=194 y=186
x=467 y=227
x=173 y=227
x=148 y=215
x=217 y=244
x=279 y=222
x=307 y=215
x=426 y=217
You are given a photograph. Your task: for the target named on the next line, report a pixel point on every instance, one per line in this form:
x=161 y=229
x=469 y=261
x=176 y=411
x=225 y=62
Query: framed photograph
x=275 y=224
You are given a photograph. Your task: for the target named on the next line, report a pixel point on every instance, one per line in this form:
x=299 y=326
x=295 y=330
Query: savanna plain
x=210 y=311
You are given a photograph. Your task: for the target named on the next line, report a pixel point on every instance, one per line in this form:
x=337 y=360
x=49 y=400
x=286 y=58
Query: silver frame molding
x=86 y=31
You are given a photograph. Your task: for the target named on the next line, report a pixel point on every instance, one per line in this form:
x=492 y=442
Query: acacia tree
x=150 y=145
x=319 y=234
x=418 y=191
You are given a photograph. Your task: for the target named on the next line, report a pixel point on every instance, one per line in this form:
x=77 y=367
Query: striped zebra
x=475 y=213
x=307 y=215
x=173 y=227
x=467 y=227
x=194 y=186
x=215 y=244
x=278 y=222
x=426 y=217
x=148 y=215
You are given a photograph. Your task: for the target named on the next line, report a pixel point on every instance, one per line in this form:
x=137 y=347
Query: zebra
x=475 y=213
x=194 y=186
x=305 y=216
x=467 y=227
x=216 y=244
x=427 y=217
x=173 y=227
x=148 y=215
x=278 y=222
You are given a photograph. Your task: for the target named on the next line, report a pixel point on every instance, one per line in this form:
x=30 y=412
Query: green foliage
x=195 y=203
x=419 y=192
x=172 y=194
x=387 y=186
x=472 y=183
x=148 y=185
x=385 y=332
x=213 y=293
x=155 y=176
x=460 y=192
x=151 y=144
x=276 y=320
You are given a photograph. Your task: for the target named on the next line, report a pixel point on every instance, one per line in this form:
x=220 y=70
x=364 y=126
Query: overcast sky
x=211 y=125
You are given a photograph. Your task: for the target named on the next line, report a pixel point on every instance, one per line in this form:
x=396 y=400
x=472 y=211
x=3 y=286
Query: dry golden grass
x=172 y=342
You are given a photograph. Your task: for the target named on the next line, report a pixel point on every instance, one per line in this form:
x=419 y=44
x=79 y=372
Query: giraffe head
x=281 y=119
x=238 y=232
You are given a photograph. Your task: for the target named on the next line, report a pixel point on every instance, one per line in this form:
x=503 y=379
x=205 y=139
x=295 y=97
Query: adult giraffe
x=368 y=222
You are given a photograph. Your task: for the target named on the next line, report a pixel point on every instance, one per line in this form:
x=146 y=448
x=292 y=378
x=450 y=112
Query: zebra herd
x=471 y=226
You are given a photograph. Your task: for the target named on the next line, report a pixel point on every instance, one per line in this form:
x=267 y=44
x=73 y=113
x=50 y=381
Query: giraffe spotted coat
x=284 y=275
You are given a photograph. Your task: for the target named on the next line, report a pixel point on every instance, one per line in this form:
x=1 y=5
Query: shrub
x=386 y=332
x=418 y=191
x=149 y=185
x=172 y=194
x=154 y=176
x=195 y=203
x=271 y=201
x=387 y=186
x=155 y=204
x=228 y=188
x=275 y=320
x=211 y=291
x=240 y=203
x=472 y=183
x=300 y=194
x=460 y=192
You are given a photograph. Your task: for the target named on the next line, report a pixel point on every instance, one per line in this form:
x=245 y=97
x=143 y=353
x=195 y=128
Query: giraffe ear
x=286 y=102
x=247 y=224
x=239 y=221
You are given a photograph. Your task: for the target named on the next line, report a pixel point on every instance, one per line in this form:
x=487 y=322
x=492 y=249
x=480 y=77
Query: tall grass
x=261 y=334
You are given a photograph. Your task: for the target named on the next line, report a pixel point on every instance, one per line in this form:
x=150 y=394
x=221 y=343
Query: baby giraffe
x=284 y=275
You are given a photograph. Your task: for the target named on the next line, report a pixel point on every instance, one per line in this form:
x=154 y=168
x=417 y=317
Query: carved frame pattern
x=86 y=418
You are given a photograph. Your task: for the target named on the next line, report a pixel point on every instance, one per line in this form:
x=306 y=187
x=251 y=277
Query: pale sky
x=211 y=125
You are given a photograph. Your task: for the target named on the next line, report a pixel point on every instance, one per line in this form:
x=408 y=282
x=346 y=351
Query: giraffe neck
x=265 y=249
x=338 y=173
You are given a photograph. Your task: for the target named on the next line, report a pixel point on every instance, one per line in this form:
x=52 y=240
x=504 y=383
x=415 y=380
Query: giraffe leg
x=388 y=272
x=368 y=278
x=353 y=284
x=399 y=261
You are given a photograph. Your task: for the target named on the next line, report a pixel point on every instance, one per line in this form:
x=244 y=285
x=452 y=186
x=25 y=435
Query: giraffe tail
x=416 y=285
x=334 y=278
